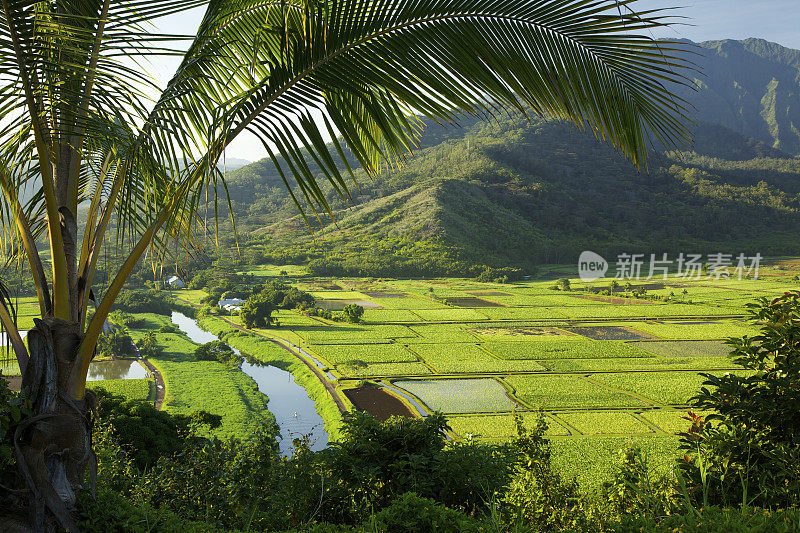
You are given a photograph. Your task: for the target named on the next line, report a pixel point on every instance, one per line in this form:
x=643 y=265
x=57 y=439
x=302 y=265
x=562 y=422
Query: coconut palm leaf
x=311 y=79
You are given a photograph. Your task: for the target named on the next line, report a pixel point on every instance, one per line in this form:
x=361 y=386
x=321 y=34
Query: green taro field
x=605 y=372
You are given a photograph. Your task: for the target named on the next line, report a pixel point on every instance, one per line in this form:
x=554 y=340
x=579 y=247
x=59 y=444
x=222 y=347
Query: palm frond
x=368 y=67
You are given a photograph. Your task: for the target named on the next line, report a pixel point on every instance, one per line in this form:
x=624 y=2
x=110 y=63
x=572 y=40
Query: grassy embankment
x=267 y=352
x=193 y=385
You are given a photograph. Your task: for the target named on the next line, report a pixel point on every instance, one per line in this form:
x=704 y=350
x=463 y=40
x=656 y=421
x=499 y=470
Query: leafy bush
x=144 y=301
x=748 y=449
x=353 y=313
x=283 y=296
x=409 y=513
x=116 y=343
x=537 y=496
x=501 y=275
x=148 y=346
x=13 y=410
x=146 y=433
x=257 y=312
x=217 y=351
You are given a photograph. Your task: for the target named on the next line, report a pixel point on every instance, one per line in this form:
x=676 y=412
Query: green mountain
x=516 y=192
x=751 y=87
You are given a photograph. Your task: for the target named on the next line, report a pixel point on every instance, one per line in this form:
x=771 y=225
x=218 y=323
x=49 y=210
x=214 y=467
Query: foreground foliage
x=748 y=450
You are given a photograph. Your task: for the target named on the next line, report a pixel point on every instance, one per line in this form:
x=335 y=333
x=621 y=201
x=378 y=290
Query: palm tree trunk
x=53 y=447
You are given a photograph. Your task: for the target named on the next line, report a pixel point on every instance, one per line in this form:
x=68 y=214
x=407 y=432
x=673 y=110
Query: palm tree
x=80 y=128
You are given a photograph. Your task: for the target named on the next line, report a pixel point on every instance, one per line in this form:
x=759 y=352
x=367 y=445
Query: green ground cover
x=499 y=426
x=455 y=358
x=27 y=310
x=452 y=314
x=696 y=331
x=192 y=296
x=523 y=313
x=593 y=459
x=606 y=423
x=383 y=369
x=193 y=385
x=460 y=395
x=555 y=299
x=503 y=333
x=566 y=347
x=339 y=295
x=637 y=363
x=599 y=311
x=567 y=392
x=668 y=420
x=132 y=389
x=351 y=333
x=441 y=333
x=703 y=349
x=338 y=354
x=388 y=316
x=669 y=388
x=681 y=310
x=413 y=303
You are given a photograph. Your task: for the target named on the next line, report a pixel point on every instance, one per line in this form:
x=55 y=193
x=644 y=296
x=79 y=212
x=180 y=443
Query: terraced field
x=603 y=370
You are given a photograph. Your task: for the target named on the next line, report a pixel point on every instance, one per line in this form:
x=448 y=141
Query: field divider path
x=563 y=322
x=648 y=423
x=160 y=386
x=500 y=373
x=159 y=383
x=317 y=372
x=642 y=399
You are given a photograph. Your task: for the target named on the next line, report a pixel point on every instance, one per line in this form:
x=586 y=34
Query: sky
x=774 y=20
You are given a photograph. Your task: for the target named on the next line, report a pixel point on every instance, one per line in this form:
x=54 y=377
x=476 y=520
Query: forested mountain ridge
x=518 y=192
x=751 y=87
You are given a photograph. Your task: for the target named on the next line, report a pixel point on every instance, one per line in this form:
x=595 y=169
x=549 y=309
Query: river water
x=295 y=413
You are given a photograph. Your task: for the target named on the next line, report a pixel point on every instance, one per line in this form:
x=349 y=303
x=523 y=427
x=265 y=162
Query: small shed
x=176 y=283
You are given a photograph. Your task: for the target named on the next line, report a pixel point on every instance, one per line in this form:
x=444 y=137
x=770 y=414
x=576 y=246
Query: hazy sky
x=773 y=20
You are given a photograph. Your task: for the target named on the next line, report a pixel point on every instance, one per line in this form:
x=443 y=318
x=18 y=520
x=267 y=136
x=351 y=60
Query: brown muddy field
x=378 y=403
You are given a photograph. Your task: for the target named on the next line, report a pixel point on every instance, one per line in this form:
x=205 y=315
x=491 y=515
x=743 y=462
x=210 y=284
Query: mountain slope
x=517 y=192
x=751 y=87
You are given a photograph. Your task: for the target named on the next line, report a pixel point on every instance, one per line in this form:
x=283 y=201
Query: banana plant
x=81 y=125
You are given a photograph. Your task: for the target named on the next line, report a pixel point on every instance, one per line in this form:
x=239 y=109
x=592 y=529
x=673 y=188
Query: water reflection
x=294 y=411
x=116 y=369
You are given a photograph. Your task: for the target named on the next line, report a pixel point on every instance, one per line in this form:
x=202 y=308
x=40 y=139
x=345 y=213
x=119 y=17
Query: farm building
x=231 y=304
x=176 y=283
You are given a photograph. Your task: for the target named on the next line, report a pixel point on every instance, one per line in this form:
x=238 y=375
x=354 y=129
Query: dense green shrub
x=146 y=433
x=116 y=343
x=501 y=275
x=537 y=497
x=283 y=296
x=148 y=346
x=716 y=520
x=217 y=351
x=111 y=512
x=257 y=312
x=144 y=301
x=13 y=410
x=409 y=513
x=353 y=313
x=748 y=449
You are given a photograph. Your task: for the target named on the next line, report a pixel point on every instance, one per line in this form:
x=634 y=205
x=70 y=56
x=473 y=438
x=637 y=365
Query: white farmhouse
x=231 y=304
x=176 y=283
